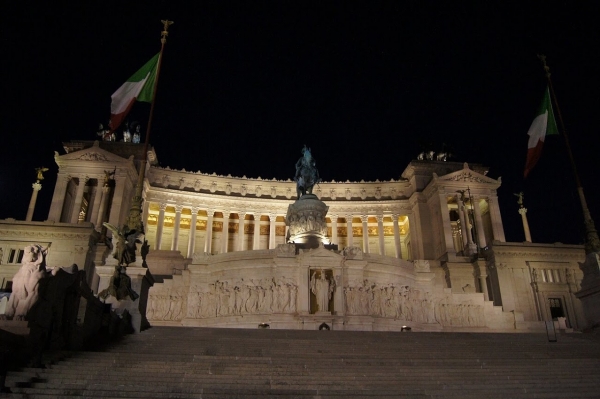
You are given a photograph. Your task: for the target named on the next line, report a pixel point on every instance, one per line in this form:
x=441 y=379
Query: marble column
x=365 y=233
x=225 y=234
x=334 y=229
x=36 y=188
x=102 y=210
x=256 y=238
x=272 y=221
x=464 y=227
x=496 y=218
x=446 y=225
x=479 y=223
x=349 y=232
x=160 y=225
x=241 y=233
x=58 y=198
x=145 y=212
x=96 y=203
x=209 y=231
x=192 y=235
x=117 y=202
x=380 y=234
x=175 y=241
x=78 y=199
x=397 y=245
x=523 y=213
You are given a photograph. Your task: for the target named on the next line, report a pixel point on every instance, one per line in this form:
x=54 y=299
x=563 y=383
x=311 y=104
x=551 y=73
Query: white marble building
x=427 y=250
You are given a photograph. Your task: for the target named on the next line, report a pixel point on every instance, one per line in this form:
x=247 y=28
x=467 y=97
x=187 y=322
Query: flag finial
x=163 y=35
x=542 y=58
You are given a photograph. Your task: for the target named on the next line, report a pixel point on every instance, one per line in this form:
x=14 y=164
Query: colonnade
x=107 y=204
x=207 y=246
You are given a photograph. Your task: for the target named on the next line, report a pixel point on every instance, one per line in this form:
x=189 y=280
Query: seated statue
x=25 y=292
x=307 y=174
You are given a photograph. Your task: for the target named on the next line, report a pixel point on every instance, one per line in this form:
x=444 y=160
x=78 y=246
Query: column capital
x=272 y=217
x=349 y=217
x=162 y=206
x=379 y=218
x=242 y=214
x=194 y=210
x=522 y=211
x=226 y=214
x=395 y=217
x=364 y=218
x=178 y=208
x=333 y=216
x=210 y=212
x=36 y=186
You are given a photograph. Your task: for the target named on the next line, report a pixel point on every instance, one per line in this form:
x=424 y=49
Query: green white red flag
x=544 y=124
x=139 y=87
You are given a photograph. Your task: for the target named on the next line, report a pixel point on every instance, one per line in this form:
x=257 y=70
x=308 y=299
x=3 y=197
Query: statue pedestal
x=589 y=294
x=306 y=221
x=141 y=281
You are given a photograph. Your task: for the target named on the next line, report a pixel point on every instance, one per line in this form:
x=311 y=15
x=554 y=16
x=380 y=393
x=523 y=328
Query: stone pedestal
x=306 y=221
x=141 y=281
x=589 y=294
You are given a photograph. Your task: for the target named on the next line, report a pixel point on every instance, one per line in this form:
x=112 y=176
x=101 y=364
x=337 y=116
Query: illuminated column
x=117 y=201
x=523 y=213
x=175 y=241
x=380 y=234
x=102 y=210
x=241 y=234
x=256 y=240
x=159 y=225
x=272 y=221
x=145 y=213
x=225 y=233
x=350 y=233
x=496 y=218
x=58 y=198
x=78 y=198
x=209 y=230
x=96 y=203
x=446 y=226
x=36 y=188
x=397 y=246
x=365 y=231
x=479 y=223
x=192 y=236
x=334 y=227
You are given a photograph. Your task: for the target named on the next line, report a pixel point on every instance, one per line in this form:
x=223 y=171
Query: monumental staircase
x=172 y=362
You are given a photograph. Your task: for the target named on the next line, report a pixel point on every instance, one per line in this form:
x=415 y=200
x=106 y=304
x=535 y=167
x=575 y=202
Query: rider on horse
x=307 y=174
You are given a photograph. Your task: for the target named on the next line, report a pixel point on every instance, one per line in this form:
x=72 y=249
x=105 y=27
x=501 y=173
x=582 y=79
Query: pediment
x=91 y=154
x=467 y=175
x=321 y=253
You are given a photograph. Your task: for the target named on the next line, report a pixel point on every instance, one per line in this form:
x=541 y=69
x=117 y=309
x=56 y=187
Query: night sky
x=244 y=85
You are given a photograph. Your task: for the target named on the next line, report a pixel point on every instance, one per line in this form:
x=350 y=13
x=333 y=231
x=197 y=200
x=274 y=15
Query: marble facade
x=426 y=250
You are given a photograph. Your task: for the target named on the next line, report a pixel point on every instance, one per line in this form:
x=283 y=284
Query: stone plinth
x=306 y=221
x=141 y=281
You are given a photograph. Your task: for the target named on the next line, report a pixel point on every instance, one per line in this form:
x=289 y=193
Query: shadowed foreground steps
x=172 y=362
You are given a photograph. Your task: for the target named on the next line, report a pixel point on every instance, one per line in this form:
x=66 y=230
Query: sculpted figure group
x=406 y=303
x=223 y=298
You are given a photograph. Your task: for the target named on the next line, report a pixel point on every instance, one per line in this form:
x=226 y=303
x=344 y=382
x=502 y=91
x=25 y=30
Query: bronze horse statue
x=307 y=174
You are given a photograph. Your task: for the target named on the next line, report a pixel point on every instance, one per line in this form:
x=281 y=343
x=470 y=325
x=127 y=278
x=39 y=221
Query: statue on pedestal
x=323 y=290
x=307 y=174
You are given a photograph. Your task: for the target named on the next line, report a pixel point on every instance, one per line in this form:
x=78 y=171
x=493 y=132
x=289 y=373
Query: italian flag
x=140 y=87
x=543 y=125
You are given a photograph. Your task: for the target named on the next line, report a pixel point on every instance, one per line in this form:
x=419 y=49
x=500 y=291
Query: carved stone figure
x=307 y=174
x=119 y=286
x=39 y=173
x=323 y=290
x=124 y=243
x=26 y=282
